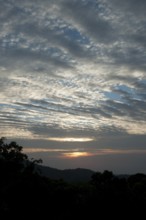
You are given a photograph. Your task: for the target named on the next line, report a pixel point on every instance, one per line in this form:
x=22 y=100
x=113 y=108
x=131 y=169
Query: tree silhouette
x=11 y=151
x=18 y=178
x=13 y=160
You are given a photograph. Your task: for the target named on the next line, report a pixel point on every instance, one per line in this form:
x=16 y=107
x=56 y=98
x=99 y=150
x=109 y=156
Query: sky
x=73 y=82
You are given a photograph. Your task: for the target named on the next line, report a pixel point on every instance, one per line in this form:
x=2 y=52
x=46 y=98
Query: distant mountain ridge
x=69 y=175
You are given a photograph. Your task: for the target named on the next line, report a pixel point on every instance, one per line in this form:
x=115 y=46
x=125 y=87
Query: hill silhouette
x=68 y=175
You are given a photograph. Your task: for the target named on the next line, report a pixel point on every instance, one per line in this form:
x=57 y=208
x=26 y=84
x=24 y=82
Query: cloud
x=72 y=69
x=135 y=7
x=89 y=20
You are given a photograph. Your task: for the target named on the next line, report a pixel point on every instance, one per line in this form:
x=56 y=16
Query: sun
x=76 y=154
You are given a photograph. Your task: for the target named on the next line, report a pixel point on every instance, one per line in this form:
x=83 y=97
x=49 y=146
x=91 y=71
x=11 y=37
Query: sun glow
x=70 y=139
x=42 y=150
x=76 y=154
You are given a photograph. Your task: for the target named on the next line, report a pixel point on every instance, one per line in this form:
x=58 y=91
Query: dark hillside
x=69 y=175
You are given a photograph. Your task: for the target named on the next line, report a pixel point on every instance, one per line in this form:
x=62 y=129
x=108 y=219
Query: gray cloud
x=37 y=37
x=20 y=56
x=134 y=108
x=133 y=58
x=89 y=20
x=53 y=37
x=132 y=6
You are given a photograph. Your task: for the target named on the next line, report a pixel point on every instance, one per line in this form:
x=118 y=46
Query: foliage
x=13 y=160
x=11 y=151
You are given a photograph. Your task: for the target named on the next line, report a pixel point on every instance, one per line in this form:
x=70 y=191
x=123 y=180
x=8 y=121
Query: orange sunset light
x=76 y=154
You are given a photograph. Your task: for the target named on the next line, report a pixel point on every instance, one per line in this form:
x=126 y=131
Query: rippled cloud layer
x=72 y=69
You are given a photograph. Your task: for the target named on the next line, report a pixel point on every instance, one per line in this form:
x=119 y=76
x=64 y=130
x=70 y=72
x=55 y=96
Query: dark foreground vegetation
x=24 y=193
